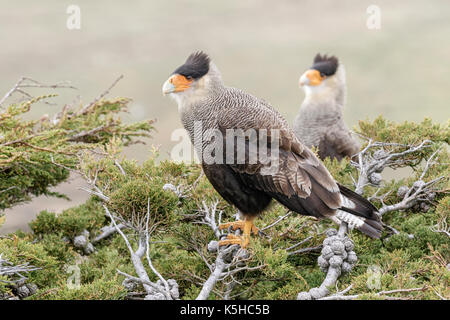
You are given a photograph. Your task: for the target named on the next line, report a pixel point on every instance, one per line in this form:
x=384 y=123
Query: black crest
x=196 y=66
x=325 y=65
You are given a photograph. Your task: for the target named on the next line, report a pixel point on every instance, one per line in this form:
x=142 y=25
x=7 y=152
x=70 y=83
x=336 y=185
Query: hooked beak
x=303 y=80
x=168 y=87
x=176 y=83
x=311 y=77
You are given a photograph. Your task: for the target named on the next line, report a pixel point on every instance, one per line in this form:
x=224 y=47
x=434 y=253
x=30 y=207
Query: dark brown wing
x=300 y=180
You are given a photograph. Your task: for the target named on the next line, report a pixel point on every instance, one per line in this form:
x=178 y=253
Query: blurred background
x=400 y=71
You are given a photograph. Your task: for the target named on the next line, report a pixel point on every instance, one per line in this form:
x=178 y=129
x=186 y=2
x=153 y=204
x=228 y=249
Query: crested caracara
x=319 y=121
x=293 y=175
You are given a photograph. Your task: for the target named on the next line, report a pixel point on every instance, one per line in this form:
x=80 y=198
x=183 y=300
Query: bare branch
x=209 y=217
x=85 y=109
x=107 y=231
x=299 y=243
x=370 y=164
x=341 y=296
x=209 y=284
x=95 y=193
x=418 y=191
x=277 y=221
x=229 y=261
x=79 y=136
x=150 y=264
x=7 y=268
x=441 y=227
x=130 y=248
x=25 y=82
x=304 y=250
x=120 y=167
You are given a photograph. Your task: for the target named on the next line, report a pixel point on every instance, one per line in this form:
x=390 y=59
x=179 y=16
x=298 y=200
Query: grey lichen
x=401 y=192
x=375 y=178
x=337 y=257
x=89 y=249
x=156 y=295
x=213 y=246
x=336 y=251
x=82 y=242
x=26 y=290
x=129 y=284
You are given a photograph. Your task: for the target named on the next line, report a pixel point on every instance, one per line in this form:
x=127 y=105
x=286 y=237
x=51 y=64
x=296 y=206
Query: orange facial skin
x=314 y=77
x=180 y=82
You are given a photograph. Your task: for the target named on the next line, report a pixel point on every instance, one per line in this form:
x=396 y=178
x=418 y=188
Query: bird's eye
x=322 y=75
x=189 y=77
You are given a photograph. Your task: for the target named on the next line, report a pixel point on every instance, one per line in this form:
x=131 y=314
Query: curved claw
x=247 y=227
x=232 y=239
x=240 y=224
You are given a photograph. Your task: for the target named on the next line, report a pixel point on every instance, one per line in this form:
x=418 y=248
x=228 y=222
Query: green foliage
x=22 y=250
x=103 y=289
x=131 y=193
x=45 y=223
x=37 y=154
x=416 y=257
x=442 y=212
x=405 y=133
x=88 y=216
x=135 y=196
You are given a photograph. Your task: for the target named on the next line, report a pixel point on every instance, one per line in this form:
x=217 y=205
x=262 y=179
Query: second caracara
x=293 y=175
x=319 y=121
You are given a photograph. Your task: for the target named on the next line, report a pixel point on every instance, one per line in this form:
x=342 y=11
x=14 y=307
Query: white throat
x=199 y=90
x=193 y=95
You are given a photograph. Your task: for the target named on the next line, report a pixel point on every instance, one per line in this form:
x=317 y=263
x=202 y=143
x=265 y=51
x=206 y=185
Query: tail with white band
x=359 y=213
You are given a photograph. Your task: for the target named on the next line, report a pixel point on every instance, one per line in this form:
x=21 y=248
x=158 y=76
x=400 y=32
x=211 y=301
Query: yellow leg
x=240 y=224
x=247 y=226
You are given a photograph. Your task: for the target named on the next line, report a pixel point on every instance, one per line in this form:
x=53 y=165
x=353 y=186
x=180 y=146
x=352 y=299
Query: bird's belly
x=235 y=191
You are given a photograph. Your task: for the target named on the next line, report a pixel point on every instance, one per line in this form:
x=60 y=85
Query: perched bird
x=319 y=122
x=294 y=175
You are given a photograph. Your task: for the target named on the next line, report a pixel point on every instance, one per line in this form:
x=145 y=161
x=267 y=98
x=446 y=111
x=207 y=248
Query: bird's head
x=322 y=71
x=195 y=79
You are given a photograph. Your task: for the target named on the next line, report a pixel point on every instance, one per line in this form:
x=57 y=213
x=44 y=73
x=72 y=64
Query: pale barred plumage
x=320 y=122
x=301 y=182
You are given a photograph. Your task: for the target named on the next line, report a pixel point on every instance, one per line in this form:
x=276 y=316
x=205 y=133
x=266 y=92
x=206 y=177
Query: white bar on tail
x=347 y=203
x=351 y=219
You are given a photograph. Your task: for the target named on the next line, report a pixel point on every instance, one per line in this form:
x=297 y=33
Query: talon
x=255 y=230
x=247 y=227
x=239 y=225
x=235 y=225
x=232 y=239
